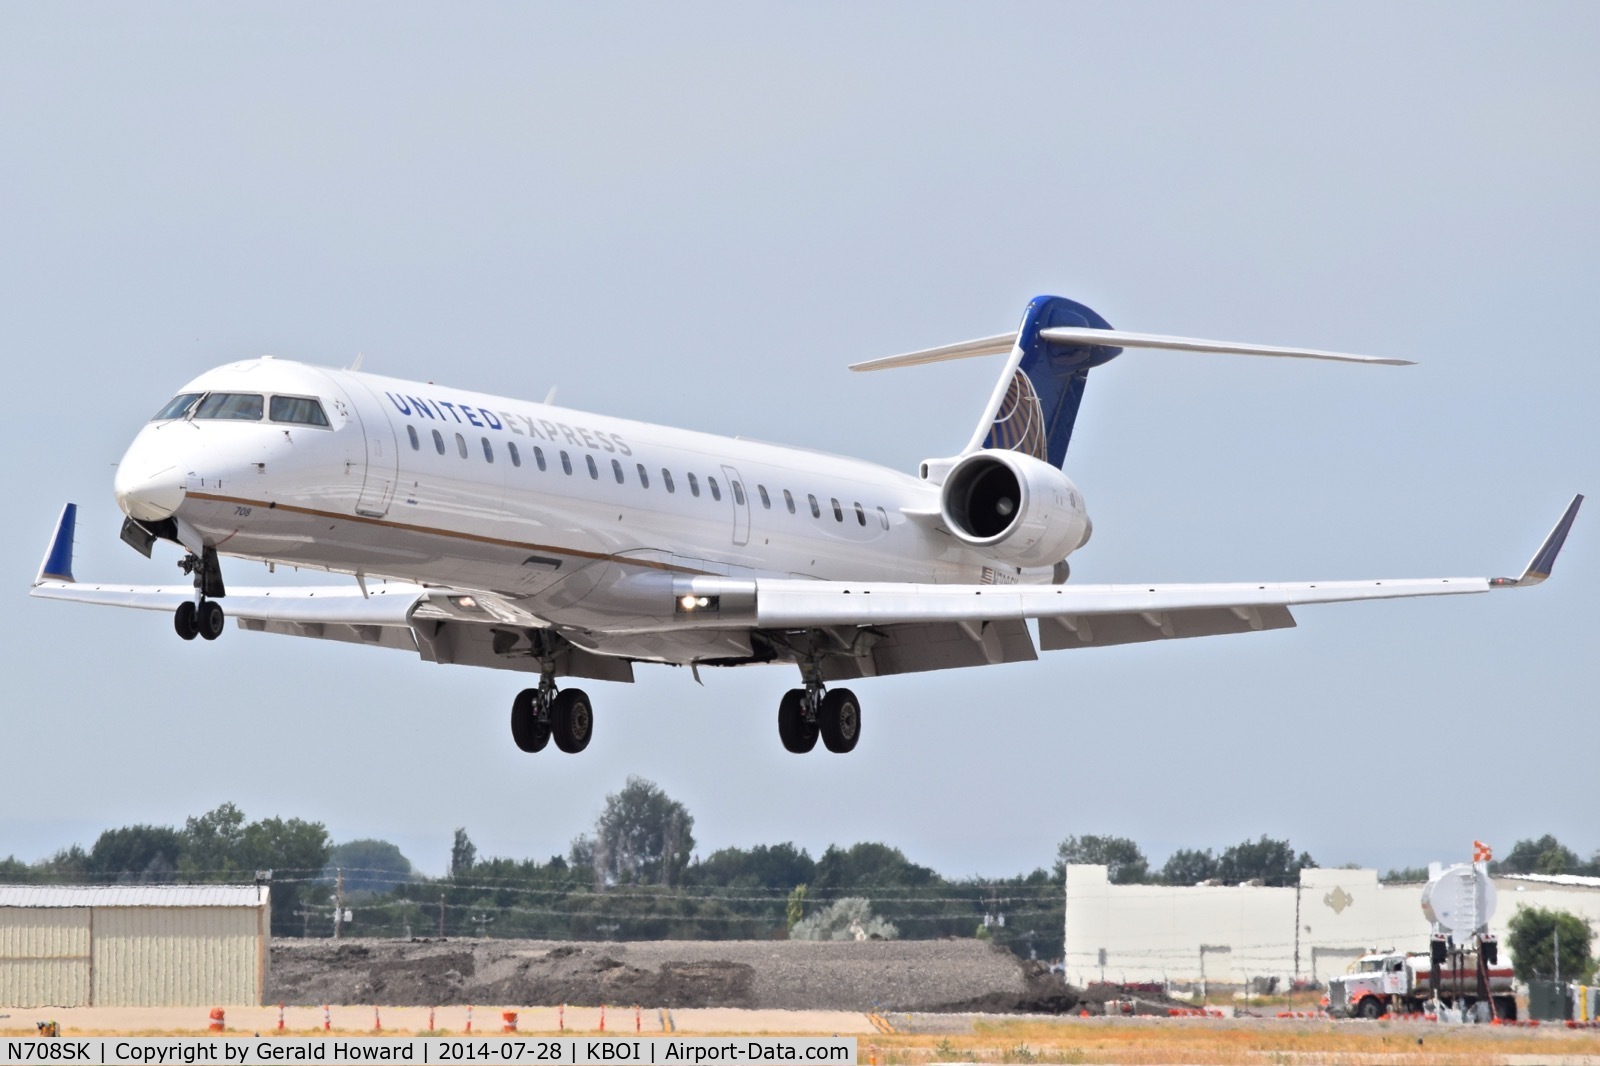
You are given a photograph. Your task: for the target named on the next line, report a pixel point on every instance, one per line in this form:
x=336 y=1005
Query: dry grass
x=1198 y=1041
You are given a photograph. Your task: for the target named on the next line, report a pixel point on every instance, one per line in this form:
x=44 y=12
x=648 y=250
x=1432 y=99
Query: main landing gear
x=810 y=712
x=201 y=616
x=538 y=714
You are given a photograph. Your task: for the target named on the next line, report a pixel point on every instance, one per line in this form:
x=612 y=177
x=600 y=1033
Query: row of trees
x=218 y=846
x=635 y=875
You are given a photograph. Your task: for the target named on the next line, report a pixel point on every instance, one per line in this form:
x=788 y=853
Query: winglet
x=1544 y=560
x=57 y=564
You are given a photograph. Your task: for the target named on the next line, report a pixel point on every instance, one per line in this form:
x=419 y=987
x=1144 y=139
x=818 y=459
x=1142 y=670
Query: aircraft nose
x=148 y=495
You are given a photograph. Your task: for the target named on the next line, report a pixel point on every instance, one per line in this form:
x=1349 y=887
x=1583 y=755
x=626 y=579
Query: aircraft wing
x=445 y=625
x=882 y=628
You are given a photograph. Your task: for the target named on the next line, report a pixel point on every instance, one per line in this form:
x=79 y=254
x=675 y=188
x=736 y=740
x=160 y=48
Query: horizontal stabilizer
x=999 y=344
x=1075 y=335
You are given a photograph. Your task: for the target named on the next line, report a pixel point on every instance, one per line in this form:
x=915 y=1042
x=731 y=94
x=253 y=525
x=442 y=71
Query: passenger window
x=766 y=501
x=233 y=406
x=816 y=511
x=838 y=513
x=666 y=479
x=789 y=500
x=616 y=468
x=861 y=516
x=694 y=485
x=438 y=441
x=488 y=450
x=644 y=478
x=594 y=471
x=516 y=456
x=461 y=445
x=176 y=407
x=738 y=492
x=566 y=463
x=883 y=517
x=716 y=493
x=416 y=445
x=300 y=410
x=538 y=457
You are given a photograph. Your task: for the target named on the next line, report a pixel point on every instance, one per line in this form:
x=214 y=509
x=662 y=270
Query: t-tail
x=1035 y=402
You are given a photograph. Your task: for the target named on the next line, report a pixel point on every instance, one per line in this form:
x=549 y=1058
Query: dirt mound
x=894 y=975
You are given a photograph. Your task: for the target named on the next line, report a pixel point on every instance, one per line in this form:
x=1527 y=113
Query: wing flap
x=1060 y=632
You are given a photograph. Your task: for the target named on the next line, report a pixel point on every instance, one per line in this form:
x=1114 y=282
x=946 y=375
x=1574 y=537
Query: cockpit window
x=176 y=407
x=301 y=410
x=243 y=406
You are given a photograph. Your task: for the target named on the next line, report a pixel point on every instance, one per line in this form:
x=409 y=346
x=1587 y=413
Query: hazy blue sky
x=699 y=214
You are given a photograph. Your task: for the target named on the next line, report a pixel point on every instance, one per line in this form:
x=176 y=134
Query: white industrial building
x=1231 y=933
x=134 y=945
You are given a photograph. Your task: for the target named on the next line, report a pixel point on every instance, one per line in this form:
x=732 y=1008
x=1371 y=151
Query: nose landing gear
x=202 y=616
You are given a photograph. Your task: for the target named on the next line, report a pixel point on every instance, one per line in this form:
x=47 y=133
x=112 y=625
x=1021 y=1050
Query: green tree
x=13 y=871
x=795 y=908
x=1405 y=875
x=211 y=845
x=69 y=866
x=1547 y=855
x=1125 y=863
x=1187 y=866
x=463 y=853
x=843 y=871
x=1532 y=940
x=643 y=836
x=136 y=853
x=779 y=867
x=368 y=865
x=1272 y=862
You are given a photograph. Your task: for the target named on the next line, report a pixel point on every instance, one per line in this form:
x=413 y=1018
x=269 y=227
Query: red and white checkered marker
x=1481 y=852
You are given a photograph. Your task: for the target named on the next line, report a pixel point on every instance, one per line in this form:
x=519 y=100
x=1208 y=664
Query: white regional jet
x=493 y=532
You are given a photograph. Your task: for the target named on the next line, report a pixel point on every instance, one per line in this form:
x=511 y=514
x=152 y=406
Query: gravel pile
x=898 y=975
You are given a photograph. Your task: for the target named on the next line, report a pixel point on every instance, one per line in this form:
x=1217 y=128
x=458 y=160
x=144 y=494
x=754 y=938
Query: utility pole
x=441 y=915
x=338 y=901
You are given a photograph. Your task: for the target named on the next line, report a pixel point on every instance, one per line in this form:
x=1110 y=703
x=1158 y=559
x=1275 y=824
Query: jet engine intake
x=1014 y=508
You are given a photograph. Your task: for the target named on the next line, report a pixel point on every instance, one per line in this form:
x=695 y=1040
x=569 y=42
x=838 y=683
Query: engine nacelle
x=1014 y=507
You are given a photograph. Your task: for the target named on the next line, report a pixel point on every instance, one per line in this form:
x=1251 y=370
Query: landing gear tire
x=1371 y=1008
x=209 y=619
x=529 y=729
x=571 y=720
x=840 y=720
x=798 y=735
x=184 y=621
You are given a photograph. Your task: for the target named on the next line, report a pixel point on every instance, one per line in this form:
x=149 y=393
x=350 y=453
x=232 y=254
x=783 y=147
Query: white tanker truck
x=1400 y=982
x=1461 y=970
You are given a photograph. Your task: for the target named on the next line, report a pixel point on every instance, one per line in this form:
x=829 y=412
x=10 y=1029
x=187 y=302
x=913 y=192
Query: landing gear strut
x=538 y=714
x=806 y=713
x=202 y=616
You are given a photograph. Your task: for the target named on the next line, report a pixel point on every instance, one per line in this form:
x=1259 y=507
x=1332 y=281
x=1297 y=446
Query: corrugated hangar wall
x=134 y=946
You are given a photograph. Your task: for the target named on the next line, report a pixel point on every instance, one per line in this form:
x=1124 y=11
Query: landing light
x=692 y=602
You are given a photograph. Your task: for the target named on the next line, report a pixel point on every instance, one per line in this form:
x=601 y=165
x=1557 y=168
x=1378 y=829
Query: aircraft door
x=383 y=454
x=741 y=506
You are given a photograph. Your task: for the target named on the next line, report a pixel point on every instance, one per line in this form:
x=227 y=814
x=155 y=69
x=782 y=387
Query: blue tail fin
x=1034 y=409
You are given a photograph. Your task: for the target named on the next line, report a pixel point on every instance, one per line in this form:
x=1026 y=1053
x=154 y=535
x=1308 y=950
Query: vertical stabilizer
x=1036 y=400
